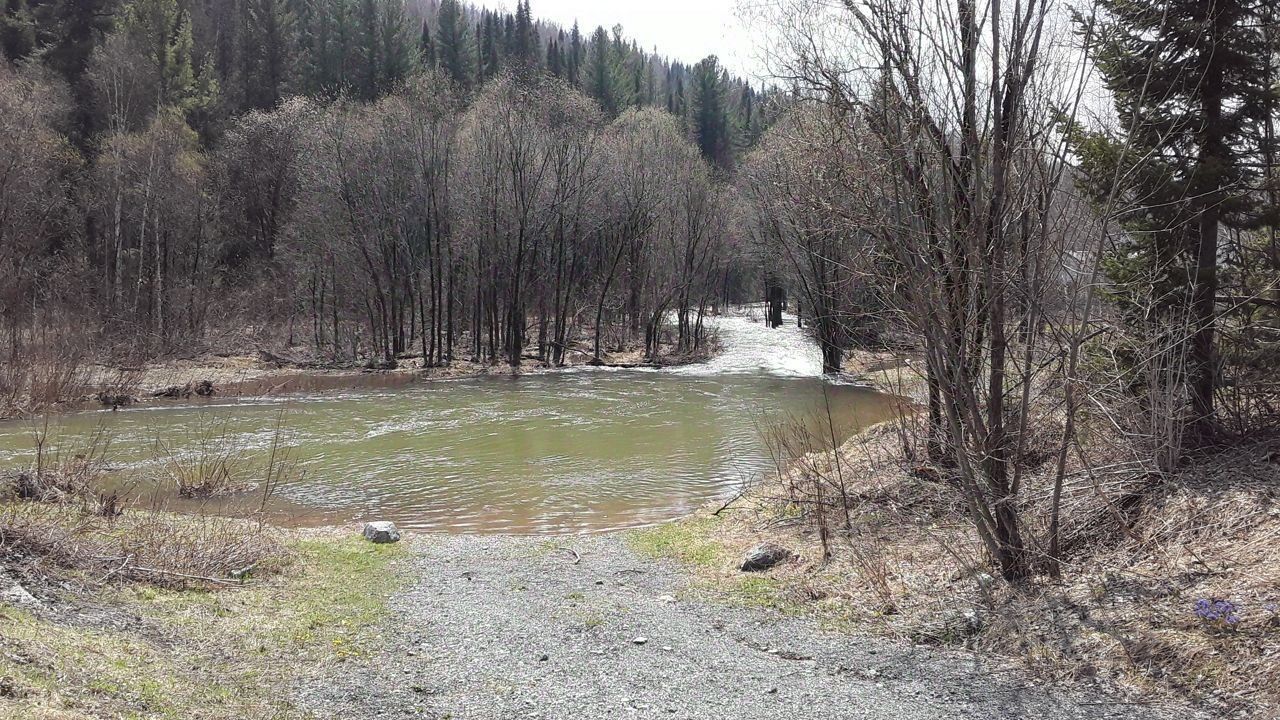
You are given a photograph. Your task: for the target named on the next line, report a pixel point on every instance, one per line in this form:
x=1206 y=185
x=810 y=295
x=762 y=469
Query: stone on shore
x=381 y=532
x=764 y=556
x=12 y=593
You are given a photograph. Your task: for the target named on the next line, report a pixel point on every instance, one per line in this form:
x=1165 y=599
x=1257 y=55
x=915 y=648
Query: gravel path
x=503 y=627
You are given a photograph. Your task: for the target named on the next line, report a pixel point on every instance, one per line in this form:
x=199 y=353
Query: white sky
x=685 y=30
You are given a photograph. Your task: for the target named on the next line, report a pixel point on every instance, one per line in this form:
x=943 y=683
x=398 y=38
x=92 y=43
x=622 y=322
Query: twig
x=172 y=573
x=729 y=502
x=112 y=573
x=576 y=557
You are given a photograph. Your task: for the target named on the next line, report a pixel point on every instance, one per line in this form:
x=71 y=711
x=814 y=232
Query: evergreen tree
x=426 y=47
x=490 y=54
x=639 y=88
x=396 y=45
x=573 y=64
x=370 y=57
x=270 y=38
x=525 y=47
x=708 y=117
x=1185 y=78
x=555 y=61
x=453 y=44
x=68 y=31
x=160 y=30
x=326 y=32
x=598 y=82
x=619 y=59
x=606 y=79
x=508 y=38
x=675 y=91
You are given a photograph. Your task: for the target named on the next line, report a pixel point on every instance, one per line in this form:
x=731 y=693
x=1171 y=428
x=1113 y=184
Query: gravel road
x=505 y=627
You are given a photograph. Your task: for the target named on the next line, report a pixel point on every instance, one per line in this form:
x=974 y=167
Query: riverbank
x=599 y=627
x=486 y=627
x=67 y=386
x=1170 y=592
x=77 y=642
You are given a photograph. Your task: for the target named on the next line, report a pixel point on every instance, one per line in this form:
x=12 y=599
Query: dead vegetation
x=1169 y=584
x=64 y=517
x=41 y=541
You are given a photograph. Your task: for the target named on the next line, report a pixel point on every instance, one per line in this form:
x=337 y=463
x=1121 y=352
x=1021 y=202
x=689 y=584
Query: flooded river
x=573 y=451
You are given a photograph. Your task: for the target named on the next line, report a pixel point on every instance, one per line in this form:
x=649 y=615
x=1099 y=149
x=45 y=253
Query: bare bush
x=63 y=474
x=210 y=459
x=150 y=546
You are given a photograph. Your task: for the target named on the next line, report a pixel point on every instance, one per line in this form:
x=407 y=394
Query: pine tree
x=270 y=39
x=490 y=55
x=555 y=61
x=68 y=31
x=325 y=29
x=1184 y=75
x=396 y=45
x=621 y=79
x=708 y=116
x=370 y=50
x=599 y=79
x=675 y=90
x=573 y=64
x=161 y=32
x=525 y=47
x=426 y=47
x=453 y=44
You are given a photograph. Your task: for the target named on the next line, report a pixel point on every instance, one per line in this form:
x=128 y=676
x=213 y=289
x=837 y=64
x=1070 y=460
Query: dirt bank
x=1170 y=589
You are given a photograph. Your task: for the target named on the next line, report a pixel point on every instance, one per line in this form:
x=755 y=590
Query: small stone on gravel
x=640 y=640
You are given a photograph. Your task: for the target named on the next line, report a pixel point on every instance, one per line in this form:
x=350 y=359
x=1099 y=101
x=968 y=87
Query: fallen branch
x=729 y=502
x=576 y=557
x=185 y=576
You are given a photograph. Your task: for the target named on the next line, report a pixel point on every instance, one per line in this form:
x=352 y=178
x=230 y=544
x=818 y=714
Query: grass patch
x=761 y=591
x=708 y=547
x=169 y=653
x=691 y=541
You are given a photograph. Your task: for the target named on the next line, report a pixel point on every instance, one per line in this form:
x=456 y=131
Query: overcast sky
x=686 y=30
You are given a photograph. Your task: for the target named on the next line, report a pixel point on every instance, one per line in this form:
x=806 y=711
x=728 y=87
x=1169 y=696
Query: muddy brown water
x=564 y=452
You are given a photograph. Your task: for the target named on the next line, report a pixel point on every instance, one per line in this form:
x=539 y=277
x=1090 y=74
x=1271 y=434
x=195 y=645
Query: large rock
x=12 y=593
x=381 y=532
x=949 y=627
x=765 y=556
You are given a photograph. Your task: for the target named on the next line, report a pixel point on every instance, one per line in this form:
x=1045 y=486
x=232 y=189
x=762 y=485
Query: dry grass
x=64 y=475
x=56 y=518
x=1142 y=552
x=38 y=381
x=41 y=540
x=134 y=651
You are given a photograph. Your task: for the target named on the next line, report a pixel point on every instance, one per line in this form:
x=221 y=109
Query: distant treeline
x=369 y=177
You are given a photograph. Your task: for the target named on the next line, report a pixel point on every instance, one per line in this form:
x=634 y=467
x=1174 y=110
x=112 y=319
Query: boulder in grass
x=765 y=556
x=381 y=532
x=12 y=593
